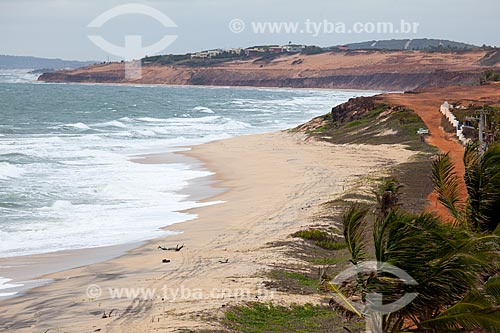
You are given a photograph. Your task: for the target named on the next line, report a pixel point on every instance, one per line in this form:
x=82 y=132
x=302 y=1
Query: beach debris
x=104 y=315
x=165 y=261
x=176 y=249
x=224 y=261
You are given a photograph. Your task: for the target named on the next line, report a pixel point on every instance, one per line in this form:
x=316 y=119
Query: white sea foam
x=59 y=205
x=113 y=123
x=5 y=285
x=8 y=171
x=79 y=188
x=17 y=76
x=116 y=201
x=78 y=126
x=203 y=109
x=151 y=120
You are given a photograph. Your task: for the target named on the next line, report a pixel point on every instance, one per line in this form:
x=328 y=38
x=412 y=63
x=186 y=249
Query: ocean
x=66 y=176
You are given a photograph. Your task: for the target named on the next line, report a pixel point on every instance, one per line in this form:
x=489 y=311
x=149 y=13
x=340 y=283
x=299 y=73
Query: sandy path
x=428 y=110
x=275 y=183
x=427 y=103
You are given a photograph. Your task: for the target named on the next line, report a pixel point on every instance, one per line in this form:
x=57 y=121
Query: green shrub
x=262 y=317
x=321 y=239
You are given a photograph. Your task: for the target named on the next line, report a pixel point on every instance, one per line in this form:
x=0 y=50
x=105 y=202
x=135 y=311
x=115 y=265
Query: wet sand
x=273 y=185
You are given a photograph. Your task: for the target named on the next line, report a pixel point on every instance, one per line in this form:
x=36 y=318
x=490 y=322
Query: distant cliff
x=20 y=62
x=378 y=70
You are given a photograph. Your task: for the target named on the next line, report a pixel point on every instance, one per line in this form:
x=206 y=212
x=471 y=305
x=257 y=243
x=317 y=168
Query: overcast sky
x=59 y=28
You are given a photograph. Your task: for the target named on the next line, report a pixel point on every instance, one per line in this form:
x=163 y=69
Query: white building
x=293 y=48
x=206 y=54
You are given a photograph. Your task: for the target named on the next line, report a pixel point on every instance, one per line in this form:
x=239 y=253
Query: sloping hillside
x=384 y=70
x=410 y=44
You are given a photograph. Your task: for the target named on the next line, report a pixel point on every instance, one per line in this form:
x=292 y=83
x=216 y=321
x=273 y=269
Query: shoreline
x=267 y=177
x=199 y=189
x=147 y=85
x=34 y=270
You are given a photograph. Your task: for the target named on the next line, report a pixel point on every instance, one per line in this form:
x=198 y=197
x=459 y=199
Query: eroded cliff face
x=353 y=109
x=370 y=70
x=375 y=81
x=61 y=77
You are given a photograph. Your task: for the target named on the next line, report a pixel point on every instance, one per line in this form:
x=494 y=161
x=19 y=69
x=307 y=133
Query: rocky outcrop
x=353 y=109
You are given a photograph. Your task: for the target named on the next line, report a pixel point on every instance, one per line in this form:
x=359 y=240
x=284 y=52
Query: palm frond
x=482 y=179
x=446 y=184
x=445 y=260
x=342 y=299
x=353 y=221
x=486 y=319
x=497 y=230
x=448 y=261
x=474 y=311
x=471 y=154
x=492 y=288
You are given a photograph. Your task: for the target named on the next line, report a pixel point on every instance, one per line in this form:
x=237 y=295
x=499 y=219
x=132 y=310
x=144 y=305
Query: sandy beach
x=273 y=185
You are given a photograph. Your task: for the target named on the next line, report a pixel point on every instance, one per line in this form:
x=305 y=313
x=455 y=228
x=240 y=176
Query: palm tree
x=481 y=209
x=449 y=263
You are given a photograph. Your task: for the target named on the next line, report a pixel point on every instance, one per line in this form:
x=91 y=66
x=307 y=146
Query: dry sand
x=275 y=183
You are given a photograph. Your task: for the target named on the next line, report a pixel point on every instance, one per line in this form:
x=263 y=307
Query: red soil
x=426 y=104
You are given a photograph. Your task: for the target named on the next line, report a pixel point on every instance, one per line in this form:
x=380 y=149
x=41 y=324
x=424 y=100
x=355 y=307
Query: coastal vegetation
x=455 y=262
x=455 y=265
x=260 y=318
x=365 y=120
x=491 y=75
x=263 y=52
x=456 y=268
x=324 y=239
